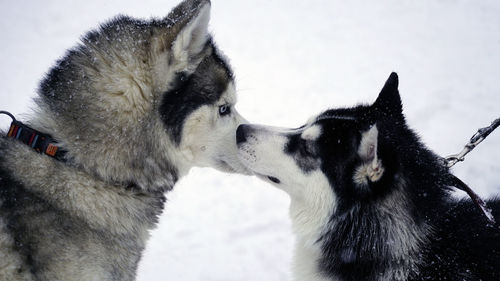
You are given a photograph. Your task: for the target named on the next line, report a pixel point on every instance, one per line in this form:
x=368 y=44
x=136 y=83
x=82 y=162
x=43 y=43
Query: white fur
x=304 y=267
x=309 y=213
x=311 y=133
x=312 y=198
x=209 y=139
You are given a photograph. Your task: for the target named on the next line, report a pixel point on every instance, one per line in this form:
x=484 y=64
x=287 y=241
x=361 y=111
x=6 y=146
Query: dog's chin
x=245 y=160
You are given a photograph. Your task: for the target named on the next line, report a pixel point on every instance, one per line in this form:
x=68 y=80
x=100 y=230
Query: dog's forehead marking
x=311 y=133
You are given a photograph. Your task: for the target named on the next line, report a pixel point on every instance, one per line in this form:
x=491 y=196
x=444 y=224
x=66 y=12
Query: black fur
x=456 y=242
x=303 y=152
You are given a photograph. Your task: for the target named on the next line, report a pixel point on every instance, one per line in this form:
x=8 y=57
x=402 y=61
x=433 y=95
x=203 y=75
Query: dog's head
x=198 y=105
x=142 y=101
x=343 y=153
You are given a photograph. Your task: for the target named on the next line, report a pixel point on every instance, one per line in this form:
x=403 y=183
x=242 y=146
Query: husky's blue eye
x=224 y=110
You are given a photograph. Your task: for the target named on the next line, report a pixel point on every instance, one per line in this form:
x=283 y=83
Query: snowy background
x=292 y=59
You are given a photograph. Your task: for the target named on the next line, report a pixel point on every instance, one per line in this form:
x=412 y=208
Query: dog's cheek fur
x=265 y=153
x=208 y=139
x=196 y=135
x=190 y=91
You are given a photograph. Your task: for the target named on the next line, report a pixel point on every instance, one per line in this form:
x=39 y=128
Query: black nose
x=241 y=133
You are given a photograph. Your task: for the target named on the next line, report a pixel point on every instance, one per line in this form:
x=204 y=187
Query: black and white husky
x=369 y=201
x=119 y=119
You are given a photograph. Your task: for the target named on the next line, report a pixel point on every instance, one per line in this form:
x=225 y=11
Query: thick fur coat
x=134 y=106
x=369 y=201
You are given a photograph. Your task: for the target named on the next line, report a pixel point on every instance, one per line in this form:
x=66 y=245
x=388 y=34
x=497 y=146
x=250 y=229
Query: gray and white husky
x=369 y=201
x=125 y=114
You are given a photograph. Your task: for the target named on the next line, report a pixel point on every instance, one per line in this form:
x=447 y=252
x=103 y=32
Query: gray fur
x=88 y=218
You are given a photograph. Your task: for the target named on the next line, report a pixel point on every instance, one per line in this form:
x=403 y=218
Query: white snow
x=292 y=59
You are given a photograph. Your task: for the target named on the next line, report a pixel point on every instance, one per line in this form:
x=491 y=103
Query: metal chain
x=451 y=160
x=476 y=139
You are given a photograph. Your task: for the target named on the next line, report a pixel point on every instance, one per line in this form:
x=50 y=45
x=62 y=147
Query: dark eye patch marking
x=187 y=93
x=303 y=152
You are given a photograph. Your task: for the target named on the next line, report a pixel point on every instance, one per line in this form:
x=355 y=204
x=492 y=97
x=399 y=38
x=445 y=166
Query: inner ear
x=370 y=169
x=192 y=38
x=367 y=150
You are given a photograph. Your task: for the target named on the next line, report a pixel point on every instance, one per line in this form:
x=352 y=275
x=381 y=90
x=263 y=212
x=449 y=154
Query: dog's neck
x=365 y=236
x=122 y=217
x=310 y=215
x=100 y=150
x=126 y=210
x=381 y=237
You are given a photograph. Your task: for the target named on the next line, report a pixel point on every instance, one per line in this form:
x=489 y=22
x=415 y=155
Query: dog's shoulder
x=466 y=229
x=464 y=244
x=11 y=157
x=12 y=201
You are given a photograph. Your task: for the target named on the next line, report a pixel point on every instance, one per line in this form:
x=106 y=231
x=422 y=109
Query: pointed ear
x=189 y=24
x=389 y=100
x=371 y=169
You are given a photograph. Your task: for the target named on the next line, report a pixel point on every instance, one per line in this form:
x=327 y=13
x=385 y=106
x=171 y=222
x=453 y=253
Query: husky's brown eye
x=224 y=110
